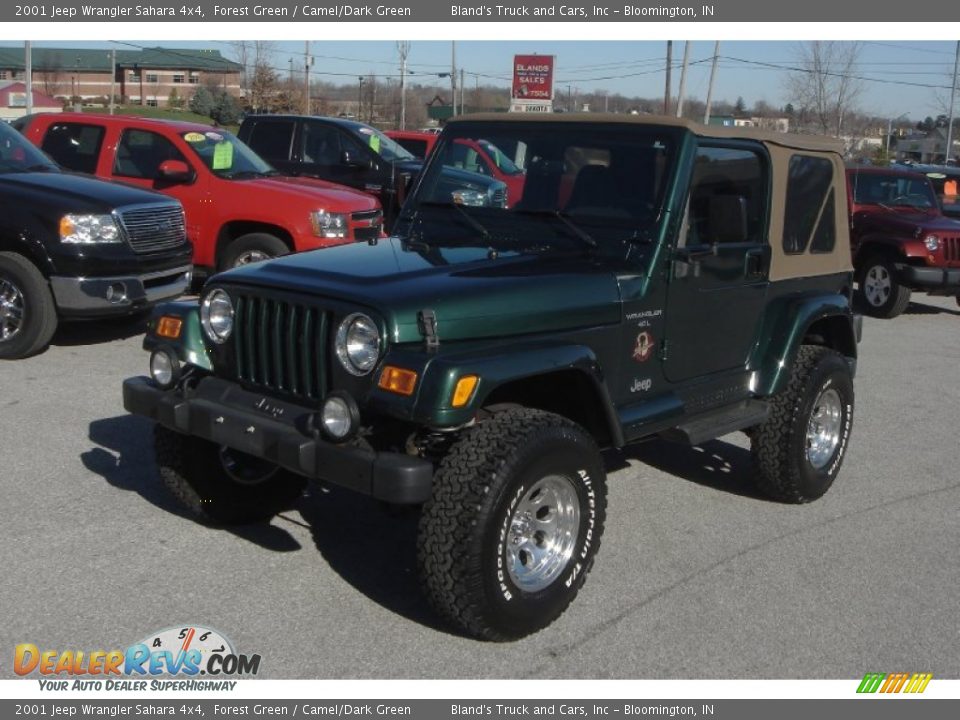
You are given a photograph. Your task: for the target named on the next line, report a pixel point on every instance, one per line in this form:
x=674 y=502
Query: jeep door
x=719 y=270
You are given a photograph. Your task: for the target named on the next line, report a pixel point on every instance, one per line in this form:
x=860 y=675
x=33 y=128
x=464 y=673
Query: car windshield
x=601 y=189
x=388 y=149
x=893 y=191
x=17 y=154
x=225 y=155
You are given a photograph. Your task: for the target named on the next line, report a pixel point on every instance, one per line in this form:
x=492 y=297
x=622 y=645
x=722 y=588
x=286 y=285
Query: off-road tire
x=270 y=246
x=899 y=297
x=190 y=468
x=779 y=446
x=39 y=321
x=465 y=526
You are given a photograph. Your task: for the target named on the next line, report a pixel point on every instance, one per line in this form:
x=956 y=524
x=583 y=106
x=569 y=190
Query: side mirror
x=352 y=160
x=727 y=219
x=175 y=171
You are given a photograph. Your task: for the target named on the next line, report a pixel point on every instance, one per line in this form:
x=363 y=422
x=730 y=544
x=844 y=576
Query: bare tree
x=50 y=73
x=825 y=83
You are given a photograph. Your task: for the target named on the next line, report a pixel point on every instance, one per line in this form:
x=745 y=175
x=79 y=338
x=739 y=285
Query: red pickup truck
x=238 y=208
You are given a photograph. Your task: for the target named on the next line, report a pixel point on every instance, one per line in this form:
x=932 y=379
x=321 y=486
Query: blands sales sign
x=533 y=77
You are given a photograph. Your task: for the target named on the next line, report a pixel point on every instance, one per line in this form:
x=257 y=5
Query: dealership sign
x=532 y=83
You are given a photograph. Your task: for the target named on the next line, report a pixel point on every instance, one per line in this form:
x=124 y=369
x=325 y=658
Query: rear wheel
x=797 y=452
x=28 y=315
x=220 y=485
x=882 y=294
x=252 y=248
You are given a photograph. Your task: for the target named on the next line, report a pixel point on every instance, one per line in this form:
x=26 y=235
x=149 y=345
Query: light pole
x=890 y=132
x=360 y=99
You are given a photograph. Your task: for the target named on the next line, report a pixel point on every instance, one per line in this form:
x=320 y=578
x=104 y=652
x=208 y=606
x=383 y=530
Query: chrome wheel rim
x=11 y=310
x=877 y=285
x=245 y=469
x=823 y=430
x=543 y=533
x=251 y=256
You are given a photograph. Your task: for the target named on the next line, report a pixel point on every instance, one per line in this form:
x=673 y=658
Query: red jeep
x=900 y=239
x=238 y=208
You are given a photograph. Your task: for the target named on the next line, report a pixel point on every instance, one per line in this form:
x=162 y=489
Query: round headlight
x=337 y=421
x=358 y=344
x=216 y=315
x=932 y=242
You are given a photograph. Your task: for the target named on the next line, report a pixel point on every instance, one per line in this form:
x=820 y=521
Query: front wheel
x=514 y=524
x=220 y=485
x=882 y=294
x=28 y=315
x=252 y=248
x=798 y=451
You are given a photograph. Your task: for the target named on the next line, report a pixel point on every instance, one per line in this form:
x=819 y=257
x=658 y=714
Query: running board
x=721 y=421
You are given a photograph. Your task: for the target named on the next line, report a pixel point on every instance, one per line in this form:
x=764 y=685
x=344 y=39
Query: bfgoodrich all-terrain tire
x=28 y=316
x=797 y=452
x=222 y=486
x=514 y=524
x=251 y=248
x=881 y=293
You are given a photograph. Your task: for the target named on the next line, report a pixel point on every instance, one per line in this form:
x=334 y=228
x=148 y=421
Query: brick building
x=142 y=77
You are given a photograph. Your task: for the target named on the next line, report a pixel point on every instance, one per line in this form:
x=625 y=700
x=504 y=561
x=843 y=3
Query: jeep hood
x=905 y=222
x=472 y=294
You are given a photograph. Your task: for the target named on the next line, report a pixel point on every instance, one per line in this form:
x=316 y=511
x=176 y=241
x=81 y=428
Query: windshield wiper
x=581 y=234
x=246 y=174
x=471 y=221
x=41 y=167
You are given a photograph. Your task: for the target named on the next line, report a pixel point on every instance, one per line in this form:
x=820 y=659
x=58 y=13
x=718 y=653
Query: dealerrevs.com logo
x=171 y=659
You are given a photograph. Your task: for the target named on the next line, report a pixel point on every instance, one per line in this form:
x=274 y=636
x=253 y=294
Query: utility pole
x=403 y=48
x=953 y=90
x=28 y=67
x=306 y=77
x=461 y=90
x=666 y=92
x=113 y=80
x=453 y=75
x=713 y=76
x=360 y=99
x=683 y=77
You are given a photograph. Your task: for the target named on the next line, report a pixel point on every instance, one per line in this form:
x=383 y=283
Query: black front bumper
x=940 y=281
x=277 y=431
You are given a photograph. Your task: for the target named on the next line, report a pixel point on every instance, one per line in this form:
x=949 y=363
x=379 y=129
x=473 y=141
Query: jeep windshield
x=598 y=186
x=227 y=156
x=17 y=154
x=893 y=190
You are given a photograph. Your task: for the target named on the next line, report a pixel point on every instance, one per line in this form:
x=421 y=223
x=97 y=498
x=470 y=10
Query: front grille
x=499 y=198
x=367 y=224
x=150 y=228
x=281 y=346
x=951 y=249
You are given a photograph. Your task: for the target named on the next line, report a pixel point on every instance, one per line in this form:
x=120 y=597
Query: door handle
x=753 y=263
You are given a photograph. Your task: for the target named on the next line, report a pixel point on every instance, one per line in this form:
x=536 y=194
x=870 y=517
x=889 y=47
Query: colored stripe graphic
x=913 y=683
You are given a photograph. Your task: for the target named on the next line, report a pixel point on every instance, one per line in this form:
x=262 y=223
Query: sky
x=900 y=76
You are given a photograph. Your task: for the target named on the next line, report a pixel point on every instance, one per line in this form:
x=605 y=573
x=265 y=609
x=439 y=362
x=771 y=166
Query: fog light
x=164 y=368
x=340 y=416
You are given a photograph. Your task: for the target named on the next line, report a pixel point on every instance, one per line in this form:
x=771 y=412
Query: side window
x=321 y=144
x=349 y=143
x=140 y=153
x=272 y=139
x=728 y=197
x=810 y=205
x=74 y=146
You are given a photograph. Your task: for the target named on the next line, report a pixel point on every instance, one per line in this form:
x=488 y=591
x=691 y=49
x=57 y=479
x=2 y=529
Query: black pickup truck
x=73 y=247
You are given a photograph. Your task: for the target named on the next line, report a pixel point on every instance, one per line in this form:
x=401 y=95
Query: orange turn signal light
x=169 y=326
x=398 y=380
x=464 y=390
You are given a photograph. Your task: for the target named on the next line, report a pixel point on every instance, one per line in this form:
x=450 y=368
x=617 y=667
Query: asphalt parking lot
x=697 y=576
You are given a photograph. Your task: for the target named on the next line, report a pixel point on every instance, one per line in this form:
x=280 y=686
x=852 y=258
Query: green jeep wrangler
x=655 y=278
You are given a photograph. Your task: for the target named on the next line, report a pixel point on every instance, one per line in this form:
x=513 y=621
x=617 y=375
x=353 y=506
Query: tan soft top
x=790 y=140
